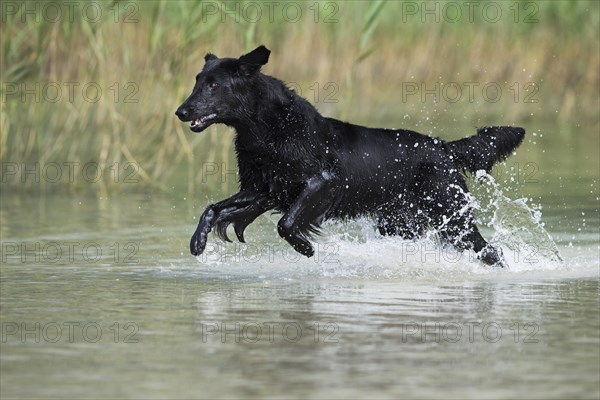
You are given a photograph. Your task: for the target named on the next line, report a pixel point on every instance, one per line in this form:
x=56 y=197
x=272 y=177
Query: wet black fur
x=311 y=168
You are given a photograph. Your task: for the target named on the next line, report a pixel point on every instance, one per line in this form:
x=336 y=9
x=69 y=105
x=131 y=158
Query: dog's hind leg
x=446 y=201
x=307 y=212
x=243 y=205
x=464 y=234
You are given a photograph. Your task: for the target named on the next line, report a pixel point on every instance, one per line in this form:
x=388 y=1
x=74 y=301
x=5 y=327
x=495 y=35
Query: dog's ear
x=209 y=56
x=256 y=58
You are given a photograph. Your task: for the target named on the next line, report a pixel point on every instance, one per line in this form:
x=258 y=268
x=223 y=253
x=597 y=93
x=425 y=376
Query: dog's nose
x=182 y=113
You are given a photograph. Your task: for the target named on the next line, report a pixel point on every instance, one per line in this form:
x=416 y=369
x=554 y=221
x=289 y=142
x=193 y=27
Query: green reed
x=145 y=63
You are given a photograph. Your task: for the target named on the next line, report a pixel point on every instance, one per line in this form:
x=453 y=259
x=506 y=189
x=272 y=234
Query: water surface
x=100 y=299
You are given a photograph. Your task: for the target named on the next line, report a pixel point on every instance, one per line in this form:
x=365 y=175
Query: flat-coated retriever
x=311 y=168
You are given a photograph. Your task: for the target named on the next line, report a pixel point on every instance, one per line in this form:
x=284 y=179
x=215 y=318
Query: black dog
x=311 y=168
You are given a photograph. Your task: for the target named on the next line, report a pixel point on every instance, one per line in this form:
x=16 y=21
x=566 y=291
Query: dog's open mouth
x=201 y=123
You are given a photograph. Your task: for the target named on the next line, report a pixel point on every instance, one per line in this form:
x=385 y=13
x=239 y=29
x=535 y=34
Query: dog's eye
x=213 y=85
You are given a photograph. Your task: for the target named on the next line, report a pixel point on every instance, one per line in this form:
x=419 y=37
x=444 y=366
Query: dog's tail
x=491 y=145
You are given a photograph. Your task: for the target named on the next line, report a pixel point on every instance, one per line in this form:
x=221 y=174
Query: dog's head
x=221 y=88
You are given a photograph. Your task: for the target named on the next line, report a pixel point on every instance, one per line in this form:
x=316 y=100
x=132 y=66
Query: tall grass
x=371 y=48
x=364 y=48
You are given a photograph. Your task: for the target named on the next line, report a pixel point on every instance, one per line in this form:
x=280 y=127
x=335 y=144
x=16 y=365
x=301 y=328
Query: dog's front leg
x=307 y=212
x=215 y=213
x=242 y=217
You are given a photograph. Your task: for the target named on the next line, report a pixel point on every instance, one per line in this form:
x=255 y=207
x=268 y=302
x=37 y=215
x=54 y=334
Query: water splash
x=518 y=227
x=356 y=250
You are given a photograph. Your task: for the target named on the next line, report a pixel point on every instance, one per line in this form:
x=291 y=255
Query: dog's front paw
x=303 y=247
x=198 y=243
x=308 y=251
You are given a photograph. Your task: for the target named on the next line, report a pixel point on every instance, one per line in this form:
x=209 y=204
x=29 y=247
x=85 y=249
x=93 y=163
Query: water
x=100 y=299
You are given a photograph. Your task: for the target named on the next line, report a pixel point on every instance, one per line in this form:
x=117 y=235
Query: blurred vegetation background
x=369 y=62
